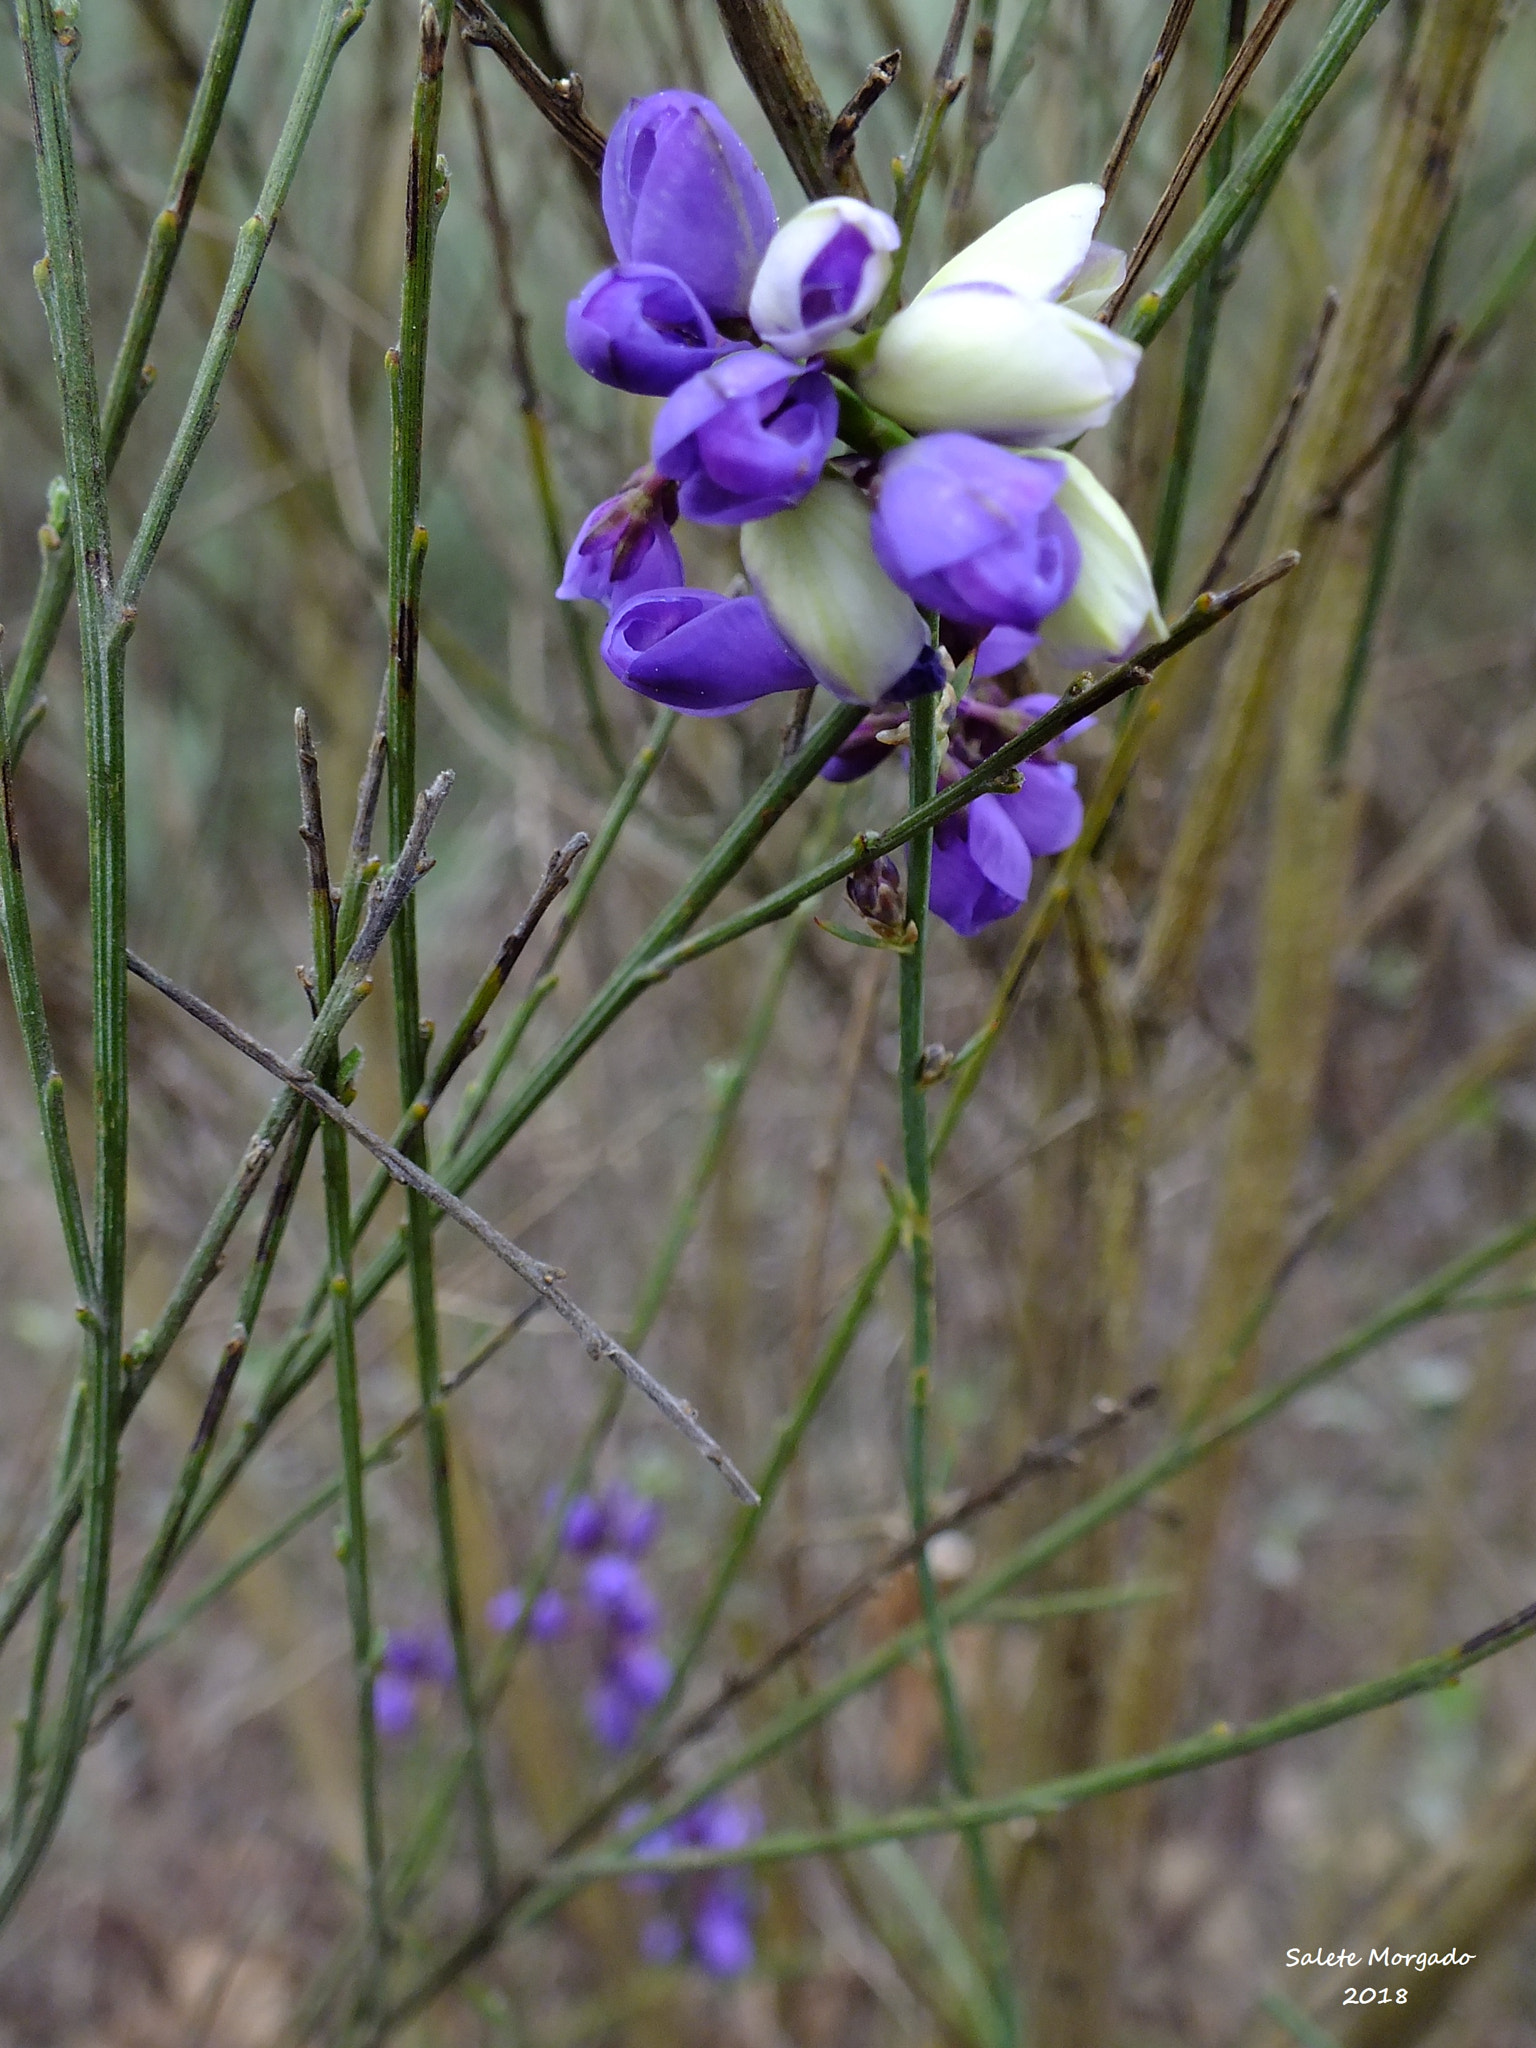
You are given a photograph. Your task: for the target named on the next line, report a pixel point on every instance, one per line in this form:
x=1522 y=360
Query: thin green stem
x=1200 y=349
x=1257 y=167
x=48 y=48
x=337 y=22
x=131 y=376
x=916 y=167
x=426 y=195
x=917 y=1228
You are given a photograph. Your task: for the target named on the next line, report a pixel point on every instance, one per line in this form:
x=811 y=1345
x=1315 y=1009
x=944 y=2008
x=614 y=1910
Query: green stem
x=131 y=375
x=917 y=1227
x=426 y=196
x=916 y=167
x=337 y=22
x=48 y=49
x=1256 y=168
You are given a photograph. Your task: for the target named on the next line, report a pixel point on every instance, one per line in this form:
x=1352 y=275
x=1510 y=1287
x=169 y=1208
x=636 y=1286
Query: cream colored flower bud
x=1035 y=251
x=1113 y=608
x=816 y=574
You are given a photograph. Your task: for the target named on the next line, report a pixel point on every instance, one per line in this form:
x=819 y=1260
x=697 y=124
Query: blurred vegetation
x=1141 y=1107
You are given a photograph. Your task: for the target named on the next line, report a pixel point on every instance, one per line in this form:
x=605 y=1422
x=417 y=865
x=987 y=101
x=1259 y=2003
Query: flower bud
x=624 y=545
x=700 y=652
x=879 y=895
x=824 y=270
x=640 y=328
x=970 y=531
x=979 y=359
x=680 y=188
x=1036 y=251
x=1113 y=608
x=816 y=573
x=1102 y=272
x=746 y=438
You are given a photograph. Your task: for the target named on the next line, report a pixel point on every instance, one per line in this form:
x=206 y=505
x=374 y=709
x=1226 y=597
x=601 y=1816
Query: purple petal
x=1047 y=811
x=394 y=1703
x=612 y=1716
x=618 y=1595
x=634 y=1519
x=642 y=1673
x=722 y=1936
x=624 y=547
x=585 y=1526
x=1002 y=649
x=680 y=187
x=700 y=652
x=960 y=893
x=641 y=328
x=661 y=1940
x=996 y=845
x=502 y=1611
x=550 y=1616
x=746 y=438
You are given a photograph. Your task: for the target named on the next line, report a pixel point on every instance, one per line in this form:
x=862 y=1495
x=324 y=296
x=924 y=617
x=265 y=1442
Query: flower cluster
x=978 y=531
x=616 y=1611
x=618 y=1614
x=711 y=1915
x=415 y=1663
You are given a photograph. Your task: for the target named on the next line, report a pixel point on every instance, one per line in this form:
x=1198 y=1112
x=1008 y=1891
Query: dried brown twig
x=543 y=1279
x=559 y=100
x=1151 y=83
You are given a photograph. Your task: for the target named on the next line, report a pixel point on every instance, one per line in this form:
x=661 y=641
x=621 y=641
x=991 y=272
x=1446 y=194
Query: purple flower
x=617 y=1594
x=722 y=1930
x=700 y=652
x=640 y=328
x=680 y=188
x=982 y=855
x=625 y=545
x=394 y=1703
x=548 y=1619
x=746 y=438
x=969 y=530
x=633 y=1519
x=661 y=1940
x=824 y=270
x=642 y=1673
x=585 y=1526
x=612 y=1715
x=420 y=1655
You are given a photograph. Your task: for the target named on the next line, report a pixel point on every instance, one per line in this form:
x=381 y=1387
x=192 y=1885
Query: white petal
x=1102 y=273
x=982 y=361
x=1035 y=251
x=1113 y=608
x=775 y=308
x=816 y=573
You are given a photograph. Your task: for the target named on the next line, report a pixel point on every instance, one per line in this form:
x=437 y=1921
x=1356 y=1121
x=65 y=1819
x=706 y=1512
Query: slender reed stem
x=917 y=1229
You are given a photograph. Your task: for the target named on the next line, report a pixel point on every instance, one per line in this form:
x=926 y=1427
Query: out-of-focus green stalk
x=915 y=169
x=534 y=1895
x=48 y=45
x=1200 y=349
x=131 y=376
x=917 y=1229
x=426 y=195
x=1256 y=168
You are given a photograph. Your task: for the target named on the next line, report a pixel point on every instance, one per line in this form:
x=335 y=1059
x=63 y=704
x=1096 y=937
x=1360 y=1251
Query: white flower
x=816 y=573
x=1113 y=608
x=1037 y=251
x=979 y=359
x=822 y=271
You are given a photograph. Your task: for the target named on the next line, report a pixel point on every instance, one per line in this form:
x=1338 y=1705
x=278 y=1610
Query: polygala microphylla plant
x=890 y=476
x=975 y=535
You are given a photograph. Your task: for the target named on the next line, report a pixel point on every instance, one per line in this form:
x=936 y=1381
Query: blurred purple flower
x=969 y=530
x=585 y=1526
x=680 y=188
x=722 y=1931
x=618 y=1596
x=634 y=1519
x=625 y=545
x=420 y=1655
x=700 y=652
x=640 y=328
x=745 y=438
x=548 y=1619
x=661 y=1940
x=394 y=1703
